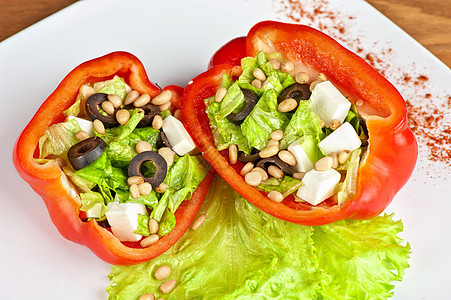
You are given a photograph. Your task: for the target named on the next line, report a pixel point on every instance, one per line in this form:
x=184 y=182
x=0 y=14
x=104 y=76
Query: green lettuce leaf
x=114 y=86
x=238 y=253
x=58 y=138
x=263 y=120
x=241 y=252
x=283 y=185
x=143 y=225
x=91 y=199
x=361 y=258
x=304 y=122
x=225 y=132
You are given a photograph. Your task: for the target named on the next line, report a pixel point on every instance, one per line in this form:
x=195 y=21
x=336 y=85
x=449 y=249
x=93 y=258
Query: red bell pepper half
x=392 y=150
x=60 y=196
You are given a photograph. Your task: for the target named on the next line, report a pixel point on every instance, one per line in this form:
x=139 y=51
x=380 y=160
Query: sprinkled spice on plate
x=429 y=110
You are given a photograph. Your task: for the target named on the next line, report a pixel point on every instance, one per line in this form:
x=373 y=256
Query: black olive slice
x=248 y=158
x=165 y=140
x=251 y=100
x=296 y=91
x=92 y=109
x=274 y=160
x=85 y=152
x=134 y=168
x=150 y=111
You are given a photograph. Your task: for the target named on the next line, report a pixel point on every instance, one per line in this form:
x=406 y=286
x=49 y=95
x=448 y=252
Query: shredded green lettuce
x=114 y=86
x=58 y=138
x=91 y=199
x=263 y=119
x=241 y=252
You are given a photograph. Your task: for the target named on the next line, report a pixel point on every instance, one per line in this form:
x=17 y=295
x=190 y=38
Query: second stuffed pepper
x=302 y=128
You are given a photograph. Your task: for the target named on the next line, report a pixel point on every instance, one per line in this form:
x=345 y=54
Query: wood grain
x=427 y=21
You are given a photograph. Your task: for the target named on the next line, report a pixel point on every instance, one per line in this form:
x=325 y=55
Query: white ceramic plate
x=174 y=40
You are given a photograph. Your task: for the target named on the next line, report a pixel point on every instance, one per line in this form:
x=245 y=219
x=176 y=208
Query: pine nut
x=149 y=241
x=275 y=63
x=343 y=156
x=298 y=175
x=275 y=172
x=147 y=297
x=157 y=122
x=272 y=143
x=287 y=67
x=131 y=97
x=82 y=135
x=86 y=91
x=153 y=226
x=165 y=106
x=115 y=100
x=313 y=84
x=359 y=103
x=334 y=124
x=162 y=98
x=178 y=114
x=198 y=222
x=302 y=77
x=220 y=94
x=258 y=74
x=324 y=164
x=321 y=77
x=163 y=272
x=334 y=156
x=247 y=168
x=268 y=152
x=98 y=126
x=168 y=286
x=275 y=196
x=108 y=107
x=257 y=84
x=144 y=188
x=142 y=100
x=287 y=157
x=122 y=116
x=135 y=180
x=167 y=154
x=161 y=188
x=134 y=191
x=142 y=146
x=277 y=135
x=262 y=172
x=233 y=154
x=287 y=105
x=253 y=178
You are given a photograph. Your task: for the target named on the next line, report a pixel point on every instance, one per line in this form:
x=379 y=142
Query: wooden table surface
x=427 y=21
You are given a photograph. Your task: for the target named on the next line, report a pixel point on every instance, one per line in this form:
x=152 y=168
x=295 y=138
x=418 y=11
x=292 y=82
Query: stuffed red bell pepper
x=304 y=129
x=106 y=154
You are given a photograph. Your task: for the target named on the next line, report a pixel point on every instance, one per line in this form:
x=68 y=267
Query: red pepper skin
x=58 y=194
x=230 y=53
x=392 y=151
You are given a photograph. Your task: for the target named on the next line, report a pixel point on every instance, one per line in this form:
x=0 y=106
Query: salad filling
x=128 y=157
x=288 y=133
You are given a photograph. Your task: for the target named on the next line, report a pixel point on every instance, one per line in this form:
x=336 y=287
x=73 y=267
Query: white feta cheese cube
x=328 y=103
x=84 y=125
x=318 y=186
x=123 y=219
x=177 y=135
x=303 y=162
x=343 y=138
